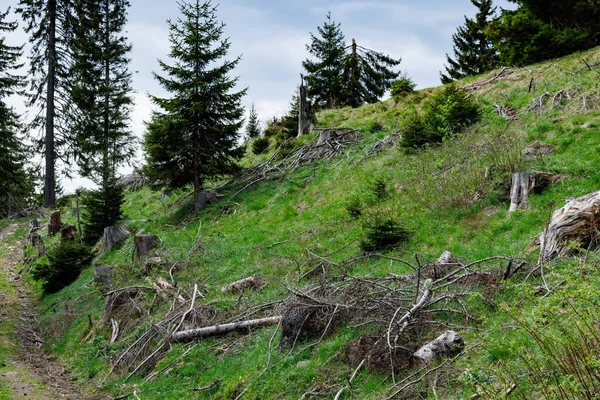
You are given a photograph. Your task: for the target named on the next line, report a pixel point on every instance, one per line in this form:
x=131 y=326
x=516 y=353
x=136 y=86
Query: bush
x=374 y=127
x=260 y=145
x=379 y=189
x=382 y=232
x=62 y=266
x=402 y=87
x=102 y=209
x=355 y=207
x=447 y=113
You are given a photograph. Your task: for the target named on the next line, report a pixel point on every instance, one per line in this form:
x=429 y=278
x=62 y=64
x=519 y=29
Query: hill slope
x=290 y=224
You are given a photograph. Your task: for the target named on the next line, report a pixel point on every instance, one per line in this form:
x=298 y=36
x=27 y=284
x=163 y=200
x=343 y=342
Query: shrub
x=447 y=113
x=355 y=207
x=402 y=87
x=374 y=127
x=260 y=145
x=62 y=266
x=381 y=232
x=102 y=209
x=379 y=189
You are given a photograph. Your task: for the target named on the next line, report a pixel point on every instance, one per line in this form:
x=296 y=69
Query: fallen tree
x=221 y=329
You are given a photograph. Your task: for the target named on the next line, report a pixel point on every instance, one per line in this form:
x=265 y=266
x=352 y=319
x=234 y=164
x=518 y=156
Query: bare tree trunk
x=447 y=344
x=224 y=328
x=49 y=181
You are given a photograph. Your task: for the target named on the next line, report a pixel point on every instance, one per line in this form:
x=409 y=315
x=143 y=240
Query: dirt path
x=25 y=371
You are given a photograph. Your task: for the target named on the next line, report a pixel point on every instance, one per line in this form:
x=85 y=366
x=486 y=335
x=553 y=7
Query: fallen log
x=574 y=225
x=447 y=344
x=220 y=329
x=252 y=282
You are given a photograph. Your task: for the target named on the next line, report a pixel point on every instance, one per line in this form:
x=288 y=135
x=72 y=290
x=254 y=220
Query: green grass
x=452 y=197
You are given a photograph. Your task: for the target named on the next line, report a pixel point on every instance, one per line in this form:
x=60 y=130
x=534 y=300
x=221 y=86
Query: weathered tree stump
x=447 y=344
x=574 y=225
x=34 y=225
x=252 y=282
x=525 y=182
x=306 y=115
x=144 y=243
x=68 y=233
x=205 y=198
x=103 y=277
x=114 y=235
x=55 y=223
x=538 y=149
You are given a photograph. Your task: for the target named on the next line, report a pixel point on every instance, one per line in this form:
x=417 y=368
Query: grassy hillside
x=452 y=197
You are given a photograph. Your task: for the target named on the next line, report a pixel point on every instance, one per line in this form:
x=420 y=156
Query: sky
x=271 y=38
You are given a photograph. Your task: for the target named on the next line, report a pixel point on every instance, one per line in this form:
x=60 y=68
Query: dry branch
x=220 y=329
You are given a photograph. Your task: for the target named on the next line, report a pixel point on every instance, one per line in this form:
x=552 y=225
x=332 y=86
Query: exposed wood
x=115 y=330
x=574 y=225
x=144 y=243
x=447 y=344
x=252 y=282
x=103 y=275
x=114 y=235
x=68 y=233
x=55 y=223
x=306 y=115
x=524 y=182
x=224 y=328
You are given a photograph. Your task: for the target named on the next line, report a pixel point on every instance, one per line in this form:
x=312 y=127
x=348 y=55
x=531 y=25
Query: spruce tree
x=366 y=75
x=323 y=75
x=252 y=128
x=101 y=92
x=193 y=137
x=14 y=181
x=474 y=53
x=49 y=24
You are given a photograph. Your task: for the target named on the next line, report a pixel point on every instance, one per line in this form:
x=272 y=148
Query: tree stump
x=144 y=243
x=306 y=116
x=103 y=275
x=114 y=235
x=538 y=149
x=525 y=182
x=68 y=233
x=242 y=285
x=34 y=225
x=205 y=198
x=55 y=223
x=447 y=344
x=574 y=225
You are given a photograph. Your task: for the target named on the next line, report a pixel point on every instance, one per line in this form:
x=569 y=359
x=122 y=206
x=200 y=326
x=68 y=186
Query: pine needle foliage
x=63 y=265
x=474 y=53
x=193 y=137
x=253 y=127
x=102 y=209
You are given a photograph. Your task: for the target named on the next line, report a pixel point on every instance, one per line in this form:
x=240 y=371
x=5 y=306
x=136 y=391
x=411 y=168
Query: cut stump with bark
x=55 y=223
x=574 y=225
x=144 y=243
x=68 y=233
x=206 y=198
x=103 y=275
x=114 y=235
x=447 y=344
x=524 y=183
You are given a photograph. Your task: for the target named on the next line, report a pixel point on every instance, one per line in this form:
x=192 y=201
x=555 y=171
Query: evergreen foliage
x=63 y=265
x=102 y=209
x=193 y=138
x=447 y=113
x=473 y=51
x=260 y=145
x=50 y=25
x=542 y=30
x=252 y=128
x=402 y=86
x=14 y=181
x=344 y=75
x=323 y=79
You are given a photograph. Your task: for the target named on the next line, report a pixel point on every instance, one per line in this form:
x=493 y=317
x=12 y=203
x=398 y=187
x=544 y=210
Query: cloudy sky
x=271 y=36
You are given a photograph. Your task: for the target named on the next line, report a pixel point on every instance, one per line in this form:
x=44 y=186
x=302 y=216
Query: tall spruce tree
x=474 y=53
x=323 y=75
x=193 y=137
x=49 y=24
x=14 y=181
x=102 y=94
x=252 y=128
x=366 y=75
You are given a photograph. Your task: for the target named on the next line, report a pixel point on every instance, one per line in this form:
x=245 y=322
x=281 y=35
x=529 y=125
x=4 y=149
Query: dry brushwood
x=249 y=283
x=573 y=226
x=507 y=112
x=388 y=141
x=525 y=182
x=114 y=235
x=479 y=84
x=277 y=168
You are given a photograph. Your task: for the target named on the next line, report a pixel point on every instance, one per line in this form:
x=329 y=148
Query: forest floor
x=25 y=371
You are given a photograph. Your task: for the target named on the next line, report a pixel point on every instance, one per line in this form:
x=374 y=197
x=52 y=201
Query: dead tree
x=114 y=235
x=306 y=116
x=574 y=225
x=448 y=344
x=144 y=243
x=55 y=223
x=220 y=329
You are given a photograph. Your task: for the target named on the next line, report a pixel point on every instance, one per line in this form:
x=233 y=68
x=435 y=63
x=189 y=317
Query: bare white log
x=406 y=317
x=574 y=225
x=251 y=282
x=115 y=330
x=444 y=258
x=114 y=235
x=220 y=329
x=447 y=344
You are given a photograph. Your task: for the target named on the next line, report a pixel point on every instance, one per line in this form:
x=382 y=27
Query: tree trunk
x=49 y=181
x=447 y=344
x=114 y=235
x=574 y=225
x=224 y=328
x=55 y=223
x=306 y=117
x=144 y=243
